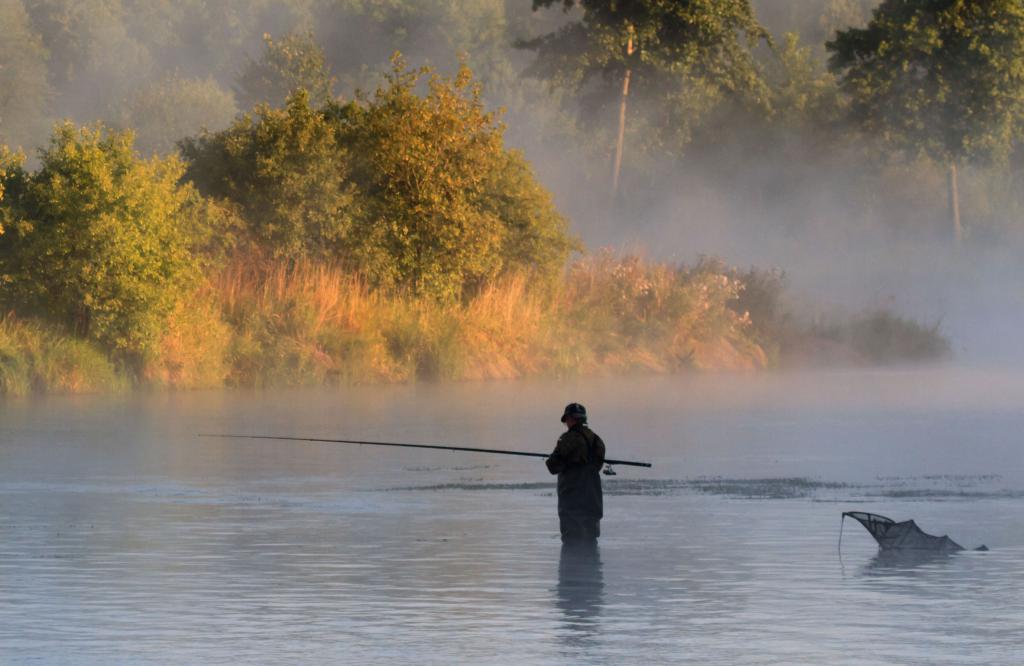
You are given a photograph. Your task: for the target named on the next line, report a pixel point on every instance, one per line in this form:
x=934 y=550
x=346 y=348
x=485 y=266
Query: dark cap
x=575 y=410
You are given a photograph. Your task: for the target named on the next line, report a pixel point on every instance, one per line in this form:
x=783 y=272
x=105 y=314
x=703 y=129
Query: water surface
x=124 y=538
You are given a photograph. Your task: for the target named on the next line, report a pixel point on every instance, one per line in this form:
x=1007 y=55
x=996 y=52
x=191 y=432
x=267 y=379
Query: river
x=125 y=538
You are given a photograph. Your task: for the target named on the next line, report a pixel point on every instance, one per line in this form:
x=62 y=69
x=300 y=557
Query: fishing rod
x=438 y=447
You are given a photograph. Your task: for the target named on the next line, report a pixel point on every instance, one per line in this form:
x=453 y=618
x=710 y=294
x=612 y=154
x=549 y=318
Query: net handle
x=842 y=521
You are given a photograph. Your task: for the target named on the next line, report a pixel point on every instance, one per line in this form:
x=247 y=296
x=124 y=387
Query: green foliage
x=285 y=172
x=294 y=63
x=687 y=58
x=96 y=240
x=215 y=228
x=10 y=170
x=202 y=38
x=36 y=359
x=445 y=206
x=940 y=77
x=94 y=61
x=24 y=89
x=535 y=241
x=803 y=93
x=166 y=111
x=362 y=35
x=417 y=191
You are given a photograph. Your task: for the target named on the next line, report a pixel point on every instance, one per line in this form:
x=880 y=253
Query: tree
x=815 y=21
x=95 y=240
x=443 y=206
x=416 y=191
x=359 y=36
x=169 y=110
x=286 y=171
x=681 y=59
x=24 y=90
x=943 y=78
x=93 y=60
x=536 y=242
x=804 y=93
x=295 y=62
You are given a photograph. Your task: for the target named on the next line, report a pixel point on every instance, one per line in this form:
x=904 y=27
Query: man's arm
x=565 y=453
x=570 y=450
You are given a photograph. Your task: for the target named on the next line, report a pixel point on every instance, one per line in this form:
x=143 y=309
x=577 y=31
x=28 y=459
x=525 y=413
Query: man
x=577 y=460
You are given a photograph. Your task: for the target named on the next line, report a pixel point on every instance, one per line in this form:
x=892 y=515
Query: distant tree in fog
x=292 y=63
x=816 y=21
x=168 y=110
x=943 y=78
x=680 y=59
x=803 y=92
x=24 y=90
x=94 y=61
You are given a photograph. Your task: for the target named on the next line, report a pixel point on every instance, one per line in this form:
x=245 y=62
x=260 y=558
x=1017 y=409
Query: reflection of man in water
x=580 y=588
x=577 y=460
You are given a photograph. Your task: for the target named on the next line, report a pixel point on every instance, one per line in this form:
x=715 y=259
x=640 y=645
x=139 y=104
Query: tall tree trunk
x=954 y=203
x=622 y=121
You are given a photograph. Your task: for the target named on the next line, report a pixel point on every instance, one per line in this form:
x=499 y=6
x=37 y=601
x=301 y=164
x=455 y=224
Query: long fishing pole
x=438 y=447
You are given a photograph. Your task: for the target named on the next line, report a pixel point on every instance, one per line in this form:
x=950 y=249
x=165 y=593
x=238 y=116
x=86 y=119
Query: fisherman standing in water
x=577 y=460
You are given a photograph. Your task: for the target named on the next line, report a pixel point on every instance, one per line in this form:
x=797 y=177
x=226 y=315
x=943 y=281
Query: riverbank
x=258 y=324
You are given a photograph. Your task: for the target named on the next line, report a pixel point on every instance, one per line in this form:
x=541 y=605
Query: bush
x=445 y=207
x=166 y=111
x=883 y=337
x=634 y=313
x=760 y=301
x=96 y=240
x=414 y=192
x=286 y=174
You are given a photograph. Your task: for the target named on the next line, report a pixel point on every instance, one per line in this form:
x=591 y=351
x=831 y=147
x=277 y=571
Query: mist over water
x=125 y=537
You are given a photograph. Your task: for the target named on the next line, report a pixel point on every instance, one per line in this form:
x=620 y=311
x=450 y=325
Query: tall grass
x=306 y=323
x=193 y=349
x=37 y=359
x=258 y=323
x=635 y=314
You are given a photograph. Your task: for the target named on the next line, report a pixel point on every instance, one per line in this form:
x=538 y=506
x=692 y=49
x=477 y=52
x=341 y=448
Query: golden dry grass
x=283 y=323
x=313 y=323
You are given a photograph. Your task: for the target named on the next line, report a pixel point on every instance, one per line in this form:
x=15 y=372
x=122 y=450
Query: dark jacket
x=577 y=460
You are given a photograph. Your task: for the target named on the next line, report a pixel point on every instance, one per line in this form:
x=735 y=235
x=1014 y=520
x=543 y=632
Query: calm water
x=124 y=538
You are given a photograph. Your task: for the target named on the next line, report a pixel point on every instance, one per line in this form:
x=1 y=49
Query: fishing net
x=906 y=535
